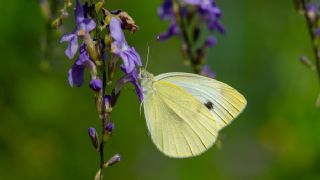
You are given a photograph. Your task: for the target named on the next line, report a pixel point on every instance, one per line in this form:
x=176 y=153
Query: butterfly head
x=145 y=75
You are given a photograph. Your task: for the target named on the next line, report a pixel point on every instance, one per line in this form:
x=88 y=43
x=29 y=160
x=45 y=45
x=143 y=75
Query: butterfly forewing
x=224 y=102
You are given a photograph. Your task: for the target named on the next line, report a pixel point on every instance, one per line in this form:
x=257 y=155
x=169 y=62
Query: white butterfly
x=184 y=112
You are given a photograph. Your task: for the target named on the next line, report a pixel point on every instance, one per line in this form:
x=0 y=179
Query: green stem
x=313 y=37
x=104 y=115
x=187 y=40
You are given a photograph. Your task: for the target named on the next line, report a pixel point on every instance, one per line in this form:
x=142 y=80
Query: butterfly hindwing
x=179 y=124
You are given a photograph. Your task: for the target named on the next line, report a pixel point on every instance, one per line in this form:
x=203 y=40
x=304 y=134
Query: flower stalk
x=311 y=12
x=102 y=38
x=187 y=19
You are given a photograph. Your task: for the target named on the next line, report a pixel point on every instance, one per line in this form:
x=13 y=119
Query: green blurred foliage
x=43 y=122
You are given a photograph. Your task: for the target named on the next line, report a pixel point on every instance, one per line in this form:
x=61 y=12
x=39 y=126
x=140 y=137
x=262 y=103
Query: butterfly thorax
x=146 y=80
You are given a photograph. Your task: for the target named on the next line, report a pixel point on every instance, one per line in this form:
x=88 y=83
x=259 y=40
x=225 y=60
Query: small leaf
x=98 y=6
x=305 y=61
x=98 y=175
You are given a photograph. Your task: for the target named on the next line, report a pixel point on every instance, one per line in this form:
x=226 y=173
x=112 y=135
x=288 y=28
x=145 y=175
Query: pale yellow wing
x=179 y=124
x=224 y=102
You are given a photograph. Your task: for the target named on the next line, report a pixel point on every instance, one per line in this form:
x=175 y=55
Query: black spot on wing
x=209 y=105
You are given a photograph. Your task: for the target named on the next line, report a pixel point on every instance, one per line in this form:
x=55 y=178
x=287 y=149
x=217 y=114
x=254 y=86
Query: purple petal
x=84 y=60
x=84 y=56
x=128 y=64
x=76 y=75
x=90 y=25
x=173 y=30
x=70 y=78
x=79 y=14
x=311 y=7
x=215 y=11
x=136 y=84
x=133 y=78
x=67 y=37
x=72 y=47
x=165 y=10
x=138 y=91
x=193 y=2
x=220 y=28
x=135 y=56
x=214 y=24
x=116 y=30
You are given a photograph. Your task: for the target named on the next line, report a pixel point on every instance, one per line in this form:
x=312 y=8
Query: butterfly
x=184 y=112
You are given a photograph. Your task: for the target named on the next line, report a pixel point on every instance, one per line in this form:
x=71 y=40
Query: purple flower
x=214 y=24
x=311 y=11
x=173 y=30
x=132 y=78
x=206 y=5
x=121 y=48
x=76 y=73
x=206 y=71
x=84 y=26
x=165 y=10
x=135 y=82
x=209 y=12
x=93 y=136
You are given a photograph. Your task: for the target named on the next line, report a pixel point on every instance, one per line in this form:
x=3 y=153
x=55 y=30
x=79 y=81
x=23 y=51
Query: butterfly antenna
x=148 y=52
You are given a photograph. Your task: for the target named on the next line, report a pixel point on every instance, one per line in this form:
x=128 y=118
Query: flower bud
x=90 y=46
x=113 y=160
x=211 y=41
x=305 y=61
x=56 y=23
x=96 y=84
x=98 y=6
x=94 y=137
x=206 y=71
x=69 y=3
x=311 y=12
x=107 y=103
x=109 y=127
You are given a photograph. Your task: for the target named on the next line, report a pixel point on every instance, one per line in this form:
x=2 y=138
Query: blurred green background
x=43 y=122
